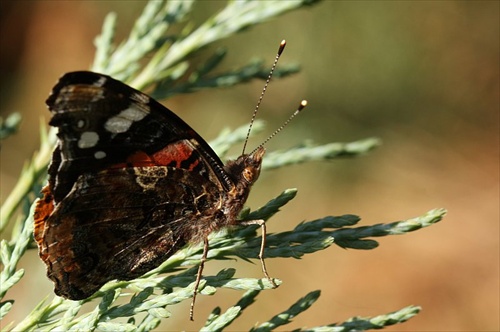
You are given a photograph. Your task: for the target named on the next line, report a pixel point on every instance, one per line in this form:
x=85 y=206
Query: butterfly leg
x=262 y=224
x=198 y=277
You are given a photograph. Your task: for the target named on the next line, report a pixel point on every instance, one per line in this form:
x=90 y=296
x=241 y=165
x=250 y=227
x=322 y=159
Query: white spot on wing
x=99 y=154
x=140 y=97
x=88 y=139
x=121 y=122
x=100 y=82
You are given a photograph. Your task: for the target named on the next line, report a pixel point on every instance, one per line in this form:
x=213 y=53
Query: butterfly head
x=252 y=163
x=245 y=170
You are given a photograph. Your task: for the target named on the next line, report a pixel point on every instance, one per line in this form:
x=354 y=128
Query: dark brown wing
x=121 y=223
x=127 y=180
x=103 y=122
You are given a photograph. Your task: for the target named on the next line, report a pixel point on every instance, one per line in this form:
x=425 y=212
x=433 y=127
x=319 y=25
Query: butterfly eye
x=248 y=174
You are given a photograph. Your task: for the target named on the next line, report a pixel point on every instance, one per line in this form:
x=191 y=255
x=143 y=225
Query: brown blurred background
x=422 y=76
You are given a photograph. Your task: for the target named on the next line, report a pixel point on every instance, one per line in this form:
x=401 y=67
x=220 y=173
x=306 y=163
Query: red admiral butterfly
x=130 y=184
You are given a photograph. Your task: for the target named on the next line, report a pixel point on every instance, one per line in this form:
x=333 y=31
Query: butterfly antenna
x=302 y=105
x=280 y=50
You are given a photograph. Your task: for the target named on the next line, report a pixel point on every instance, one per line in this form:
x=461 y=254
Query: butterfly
x=130 y=183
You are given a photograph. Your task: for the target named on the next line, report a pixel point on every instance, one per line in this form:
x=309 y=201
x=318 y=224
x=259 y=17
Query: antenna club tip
x=302 y=105
x=282 y=47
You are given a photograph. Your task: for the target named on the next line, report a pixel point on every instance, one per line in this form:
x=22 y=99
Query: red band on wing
x=171 y=155
x=176 y=153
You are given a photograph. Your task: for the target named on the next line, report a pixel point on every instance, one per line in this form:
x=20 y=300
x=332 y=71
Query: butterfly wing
x=103 y=122
x=121 y=223
x=127 y=182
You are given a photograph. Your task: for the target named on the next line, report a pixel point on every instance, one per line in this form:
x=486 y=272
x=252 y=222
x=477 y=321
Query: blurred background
x=421 y=75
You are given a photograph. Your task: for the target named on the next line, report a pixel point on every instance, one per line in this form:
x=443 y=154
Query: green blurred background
x=421 y=75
